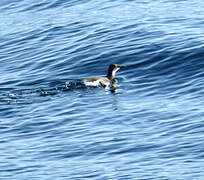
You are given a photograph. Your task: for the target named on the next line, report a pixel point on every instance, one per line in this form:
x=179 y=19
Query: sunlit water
x=150 y=128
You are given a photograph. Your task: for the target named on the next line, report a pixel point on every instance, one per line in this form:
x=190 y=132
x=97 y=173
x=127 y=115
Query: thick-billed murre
x=104 y=81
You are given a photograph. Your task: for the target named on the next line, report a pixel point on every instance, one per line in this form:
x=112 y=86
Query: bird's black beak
x=121 y=67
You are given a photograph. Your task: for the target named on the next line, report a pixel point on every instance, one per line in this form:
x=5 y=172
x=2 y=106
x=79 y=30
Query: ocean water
x=150 y=128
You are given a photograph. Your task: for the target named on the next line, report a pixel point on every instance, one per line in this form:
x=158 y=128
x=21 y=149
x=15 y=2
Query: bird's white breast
x=91 y=83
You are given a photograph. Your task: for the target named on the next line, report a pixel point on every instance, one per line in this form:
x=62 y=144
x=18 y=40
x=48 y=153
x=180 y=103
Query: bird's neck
x=111 y=75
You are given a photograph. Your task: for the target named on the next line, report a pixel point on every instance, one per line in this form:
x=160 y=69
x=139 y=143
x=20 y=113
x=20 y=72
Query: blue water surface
x=151 y=127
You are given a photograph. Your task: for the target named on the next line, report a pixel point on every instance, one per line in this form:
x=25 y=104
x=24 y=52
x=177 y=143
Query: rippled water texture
x=150 y=128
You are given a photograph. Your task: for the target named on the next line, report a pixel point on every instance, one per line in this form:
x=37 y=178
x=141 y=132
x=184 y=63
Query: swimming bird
x=104 y=81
